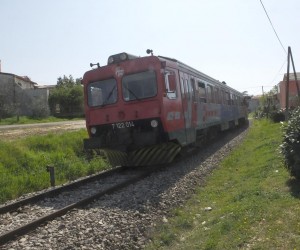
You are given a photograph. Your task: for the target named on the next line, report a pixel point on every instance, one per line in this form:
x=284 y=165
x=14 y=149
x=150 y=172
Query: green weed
x=23 y=162
x=255 y=204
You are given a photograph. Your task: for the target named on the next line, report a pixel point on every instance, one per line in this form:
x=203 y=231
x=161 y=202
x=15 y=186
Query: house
x=293 y=91
x=18 y=94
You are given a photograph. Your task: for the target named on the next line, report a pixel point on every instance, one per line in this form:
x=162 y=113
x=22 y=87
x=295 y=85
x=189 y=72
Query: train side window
x=235 y=100
x=170 y=82
x=231 y=99
x=201 y=92
x=223 y=96
x=210 y=94
x=182 y=85
x=187 y=90
x=227 y=98
x=217 y=95
x=192 y=88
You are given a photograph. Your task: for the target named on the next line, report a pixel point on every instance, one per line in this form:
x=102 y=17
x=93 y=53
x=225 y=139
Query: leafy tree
x=67 y=96
x=68 y=81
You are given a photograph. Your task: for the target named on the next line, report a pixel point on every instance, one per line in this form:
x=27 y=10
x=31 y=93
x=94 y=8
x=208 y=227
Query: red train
x=144 y=110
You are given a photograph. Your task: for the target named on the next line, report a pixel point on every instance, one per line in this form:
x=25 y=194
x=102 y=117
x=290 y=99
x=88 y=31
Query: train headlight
x=110 y=60
x=123 y=56
x=154 y=123
x=93 y=130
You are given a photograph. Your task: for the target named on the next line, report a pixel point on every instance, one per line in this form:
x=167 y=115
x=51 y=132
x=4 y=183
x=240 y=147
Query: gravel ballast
x=123 y=220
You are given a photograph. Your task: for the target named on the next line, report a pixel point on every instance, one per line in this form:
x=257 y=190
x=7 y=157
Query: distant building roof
x=24 y=78
x=45 y=86
x=292 y=76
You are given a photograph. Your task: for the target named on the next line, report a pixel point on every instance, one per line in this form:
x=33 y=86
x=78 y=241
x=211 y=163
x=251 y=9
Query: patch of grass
x=28 y=120
x=23 y=162
x=255 y=204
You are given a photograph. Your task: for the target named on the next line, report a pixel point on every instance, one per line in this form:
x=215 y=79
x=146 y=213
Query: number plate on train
x=120 y=125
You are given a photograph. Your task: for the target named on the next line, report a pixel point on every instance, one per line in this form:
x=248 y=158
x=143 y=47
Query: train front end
x=123 y=111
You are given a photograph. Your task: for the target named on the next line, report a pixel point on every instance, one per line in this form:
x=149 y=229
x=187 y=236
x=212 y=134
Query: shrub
x=277 y=115
x=290 y=148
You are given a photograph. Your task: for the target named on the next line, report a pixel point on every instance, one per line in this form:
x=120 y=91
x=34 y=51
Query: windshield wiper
x=131 y=92
x=109 y=95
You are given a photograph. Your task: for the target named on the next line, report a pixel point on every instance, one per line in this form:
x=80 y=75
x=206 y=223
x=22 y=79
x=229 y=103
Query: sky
x=229 y=40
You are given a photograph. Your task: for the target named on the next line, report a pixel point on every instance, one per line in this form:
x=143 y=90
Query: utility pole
x=287 y=86
x=290 y=56
x=295 y=74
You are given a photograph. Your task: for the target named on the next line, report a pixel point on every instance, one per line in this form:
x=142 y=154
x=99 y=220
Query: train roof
x=121 y=57
x=195 y=71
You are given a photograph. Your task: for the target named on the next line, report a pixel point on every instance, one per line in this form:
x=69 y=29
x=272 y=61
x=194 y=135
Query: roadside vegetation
x=290 y=148
x=23 y=162
x=249 y=202
x=66 y=99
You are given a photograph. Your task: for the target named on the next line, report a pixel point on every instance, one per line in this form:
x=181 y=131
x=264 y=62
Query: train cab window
x=210 y=94
x=170 y=82
x=201 y=92
x=139 y=86
x=102 y=93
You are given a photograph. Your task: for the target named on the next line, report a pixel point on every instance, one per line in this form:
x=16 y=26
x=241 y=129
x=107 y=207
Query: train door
x=193 y=88
x=187 y=106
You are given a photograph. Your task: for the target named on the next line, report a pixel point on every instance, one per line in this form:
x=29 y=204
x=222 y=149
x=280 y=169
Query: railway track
x=26 y=215
x=124 y=219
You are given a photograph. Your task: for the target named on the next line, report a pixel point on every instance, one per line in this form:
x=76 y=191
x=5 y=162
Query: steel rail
x=22 y=230
x=14 y=206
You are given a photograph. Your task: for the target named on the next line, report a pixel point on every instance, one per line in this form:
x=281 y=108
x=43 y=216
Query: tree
x=68 y=82
x=68 y=96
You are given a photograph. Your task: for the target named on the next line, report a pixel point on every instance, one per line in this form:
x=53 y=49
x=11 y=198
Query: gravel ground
x=125 y=219
x=13 y=132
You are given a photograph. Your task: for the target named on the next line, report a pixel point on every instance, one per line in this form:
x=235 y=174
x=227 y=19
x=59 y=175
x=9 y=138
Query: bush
x=277 y=115
x=272 y=113
x=290 y=148
x=66 y=99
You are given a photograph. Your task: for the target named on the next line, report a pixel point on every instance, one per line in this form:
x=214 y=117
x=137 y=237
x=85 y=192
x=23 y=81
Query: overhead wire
x=285 y=61
x=273 y=27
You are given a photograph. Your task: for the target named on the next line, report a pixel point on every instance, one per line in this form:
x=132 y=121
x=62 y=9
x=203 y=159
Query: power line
x=278 y=71
x=273 y=27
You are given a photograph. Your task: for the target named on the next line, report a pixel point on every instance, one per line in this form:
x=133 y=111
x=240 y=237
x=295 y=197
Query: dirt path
x=12 y=132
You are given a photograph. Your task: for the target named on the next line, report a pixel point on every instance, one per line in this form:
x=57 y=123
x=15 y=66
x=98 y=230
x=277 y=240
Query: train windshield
x=139 y=86
x=102 y=93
